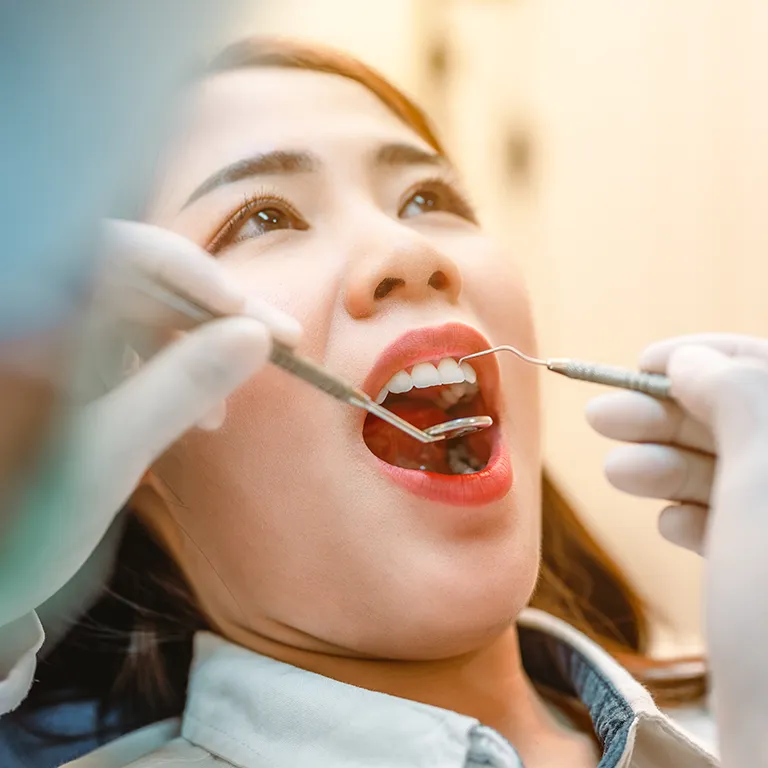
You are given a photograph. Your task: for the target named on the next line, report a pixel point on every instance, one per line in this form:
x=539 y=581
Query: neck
x=488 y=684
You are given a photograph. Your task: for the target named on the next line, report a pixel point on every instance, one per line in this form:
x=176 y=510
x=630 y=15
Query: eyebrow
x=267 y=164
x=281 y=162
x=395 y=155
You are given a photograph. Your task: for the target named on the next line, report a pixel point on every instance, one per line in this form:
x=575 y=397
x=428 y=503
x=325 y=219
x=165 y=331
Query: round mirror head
x=449 y=430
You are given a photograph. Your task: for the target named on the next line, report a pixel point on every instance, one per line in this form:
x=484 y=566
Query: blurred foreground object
x=86 y=88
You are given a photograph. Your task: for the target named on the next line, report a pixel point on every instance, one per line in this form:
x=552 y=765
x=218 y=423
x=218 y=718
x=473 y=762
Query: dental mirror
x=447 y=430
x=460 y=427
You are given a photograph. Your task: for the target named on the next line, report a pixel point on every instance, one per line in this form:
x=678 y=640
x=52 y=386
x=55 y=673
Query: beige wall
x=654 y=182
x=644 y=214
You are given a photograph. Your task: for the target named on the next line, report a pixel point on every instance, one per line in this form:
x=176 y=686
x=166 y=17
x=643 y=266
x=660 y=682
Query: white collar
x=253 y=712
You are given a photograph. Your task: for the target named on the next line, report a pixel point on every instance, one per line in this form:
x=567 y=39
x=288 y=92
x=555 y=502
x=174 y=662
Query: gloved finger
x=729 y=394
x=135 y=255
x=113 y=357
x=282 y=325
x=685 y=525
x=661 y=472
x=175 y=389
x=656 y=356
x=139 y=256
x=637 y=418
x=132 y=363
x=148 y=345
x=148 y=342
x=214 y=419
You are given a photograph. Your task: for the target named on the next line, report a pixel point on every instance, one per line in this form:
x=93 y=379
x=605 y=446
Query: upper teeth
x=424 y=375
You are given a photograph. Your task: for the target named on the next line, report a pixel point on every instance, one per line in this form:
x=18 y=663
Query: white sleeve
x=19 y=643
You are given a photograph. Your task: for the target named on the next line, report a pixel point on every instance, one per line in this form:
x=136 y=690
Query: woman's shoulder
x=154 y=745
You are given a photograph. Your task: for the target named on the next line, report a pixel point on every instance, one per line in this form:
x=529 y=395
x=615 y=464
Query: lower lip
x=475 y=490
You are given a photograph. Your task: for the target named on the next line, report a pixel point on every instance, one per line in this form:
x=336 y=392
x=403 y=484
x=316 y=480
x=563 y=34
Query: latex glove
x=708 y=451
x=109 y=442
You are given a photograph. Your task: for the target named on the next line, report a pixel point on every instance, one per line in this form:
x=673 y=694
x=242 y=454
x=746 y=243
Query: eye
x=433 y=196
x=265 y=220
x=256 y=218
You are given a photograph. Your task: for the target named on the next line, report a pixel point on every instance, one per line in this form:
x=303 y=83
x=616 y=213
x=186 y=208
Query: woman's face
x=300 y=520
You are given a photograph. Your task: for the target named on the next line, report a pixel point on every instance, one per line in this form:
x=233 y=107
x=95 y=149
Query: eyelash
x=439 y=183
x=266 y=198
x=250 y=206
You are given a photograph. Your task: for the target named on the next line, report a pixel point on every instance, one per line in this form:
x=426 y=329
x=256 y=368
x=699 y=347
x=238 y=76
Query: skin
x=295 y=542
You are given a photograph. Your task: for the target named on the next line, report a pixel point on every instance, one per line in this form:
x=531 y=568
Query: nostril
x=438 y=280
x=386 y=286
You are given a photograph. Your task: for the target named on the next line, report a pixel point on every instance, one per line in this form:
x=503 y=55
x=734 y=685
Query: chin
x=444 y=637
x=464 y=612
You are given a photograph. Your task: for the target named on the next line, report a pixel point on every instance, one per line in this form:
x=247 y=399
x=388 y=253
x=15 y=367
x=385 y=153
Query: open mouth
x=427 y=394
x=419 y=378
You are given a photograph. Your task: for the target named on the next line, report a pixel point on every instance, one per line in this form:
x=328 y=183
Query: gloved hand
x=109 y=441
x=708 y=451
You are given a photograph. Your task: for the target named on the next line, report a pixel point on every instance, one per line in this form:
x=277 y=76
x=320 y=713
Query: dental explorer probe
x=654 y=384
x=284 y=357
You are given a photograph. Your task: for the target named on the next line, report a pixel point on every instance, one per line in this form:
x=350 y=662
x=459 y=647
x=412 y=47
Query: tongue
x=396 y=448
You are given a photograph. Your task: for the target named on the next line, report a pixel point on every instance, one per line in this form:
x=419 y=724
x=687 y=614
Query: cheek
x=495 y=288
x=300 y=278
x=246 y=519
x=500 y=296
x=257 y=508
x=241 y=471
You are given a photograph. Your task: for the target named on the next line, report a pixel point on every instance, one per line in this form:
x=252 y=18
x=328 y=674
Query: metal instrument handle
x=313 y=373
x=654 y=384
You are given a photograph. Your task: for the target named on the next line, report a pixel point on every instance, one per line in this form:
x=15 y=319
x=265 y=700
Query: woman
x=366 y=596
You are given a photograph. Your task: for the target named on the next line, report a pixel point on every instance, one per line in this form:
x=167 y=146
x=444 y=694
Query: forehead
x=238 y=114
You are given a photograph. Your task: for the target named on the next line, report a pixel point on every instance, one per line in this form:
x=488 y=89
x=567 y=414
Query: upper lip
x=431 y=345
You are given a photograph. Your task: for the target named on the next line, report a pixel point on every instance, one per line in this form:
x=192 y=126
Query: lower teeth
x=461 y=461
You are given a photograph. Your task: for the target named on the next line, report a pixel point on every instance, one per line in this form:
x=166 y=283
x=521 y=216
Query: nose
x=413 y=271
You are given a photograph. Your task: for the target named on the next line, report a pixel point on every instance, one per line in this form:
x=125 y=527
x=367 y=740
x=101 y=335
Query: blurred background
x=620 y=150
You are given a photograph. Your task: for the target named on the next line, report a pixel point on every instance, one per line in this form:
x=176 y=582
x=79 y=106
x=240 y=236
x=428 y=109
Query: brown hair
x=133 y=649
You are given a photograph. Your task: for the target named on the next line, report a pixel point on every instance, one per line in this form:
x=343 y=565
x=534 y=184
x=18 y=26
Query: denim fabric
x=611 y=714
x=20 y=748
x=568 y=670
x=558 y=665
